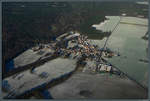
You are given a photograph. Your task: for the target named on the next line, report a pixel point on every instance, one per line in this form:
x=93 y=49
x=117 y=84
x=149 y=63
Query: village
x=75 y=50
x=69 y=57
x=76 y=46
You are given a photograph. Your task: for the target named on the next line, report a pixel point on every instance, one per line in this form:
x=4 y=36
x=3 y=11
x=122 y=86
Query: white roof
x=105 y=68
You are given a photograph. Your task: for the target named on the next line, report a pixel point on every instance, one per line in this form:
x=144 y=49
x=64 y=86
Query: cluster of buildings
x=75 y=46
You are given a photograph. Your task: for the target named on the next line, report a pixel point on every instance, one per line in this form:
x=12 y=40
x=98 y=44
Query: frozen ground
x=26 y=80
x=30 y=56
x=127 y=40
x=97 y=86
